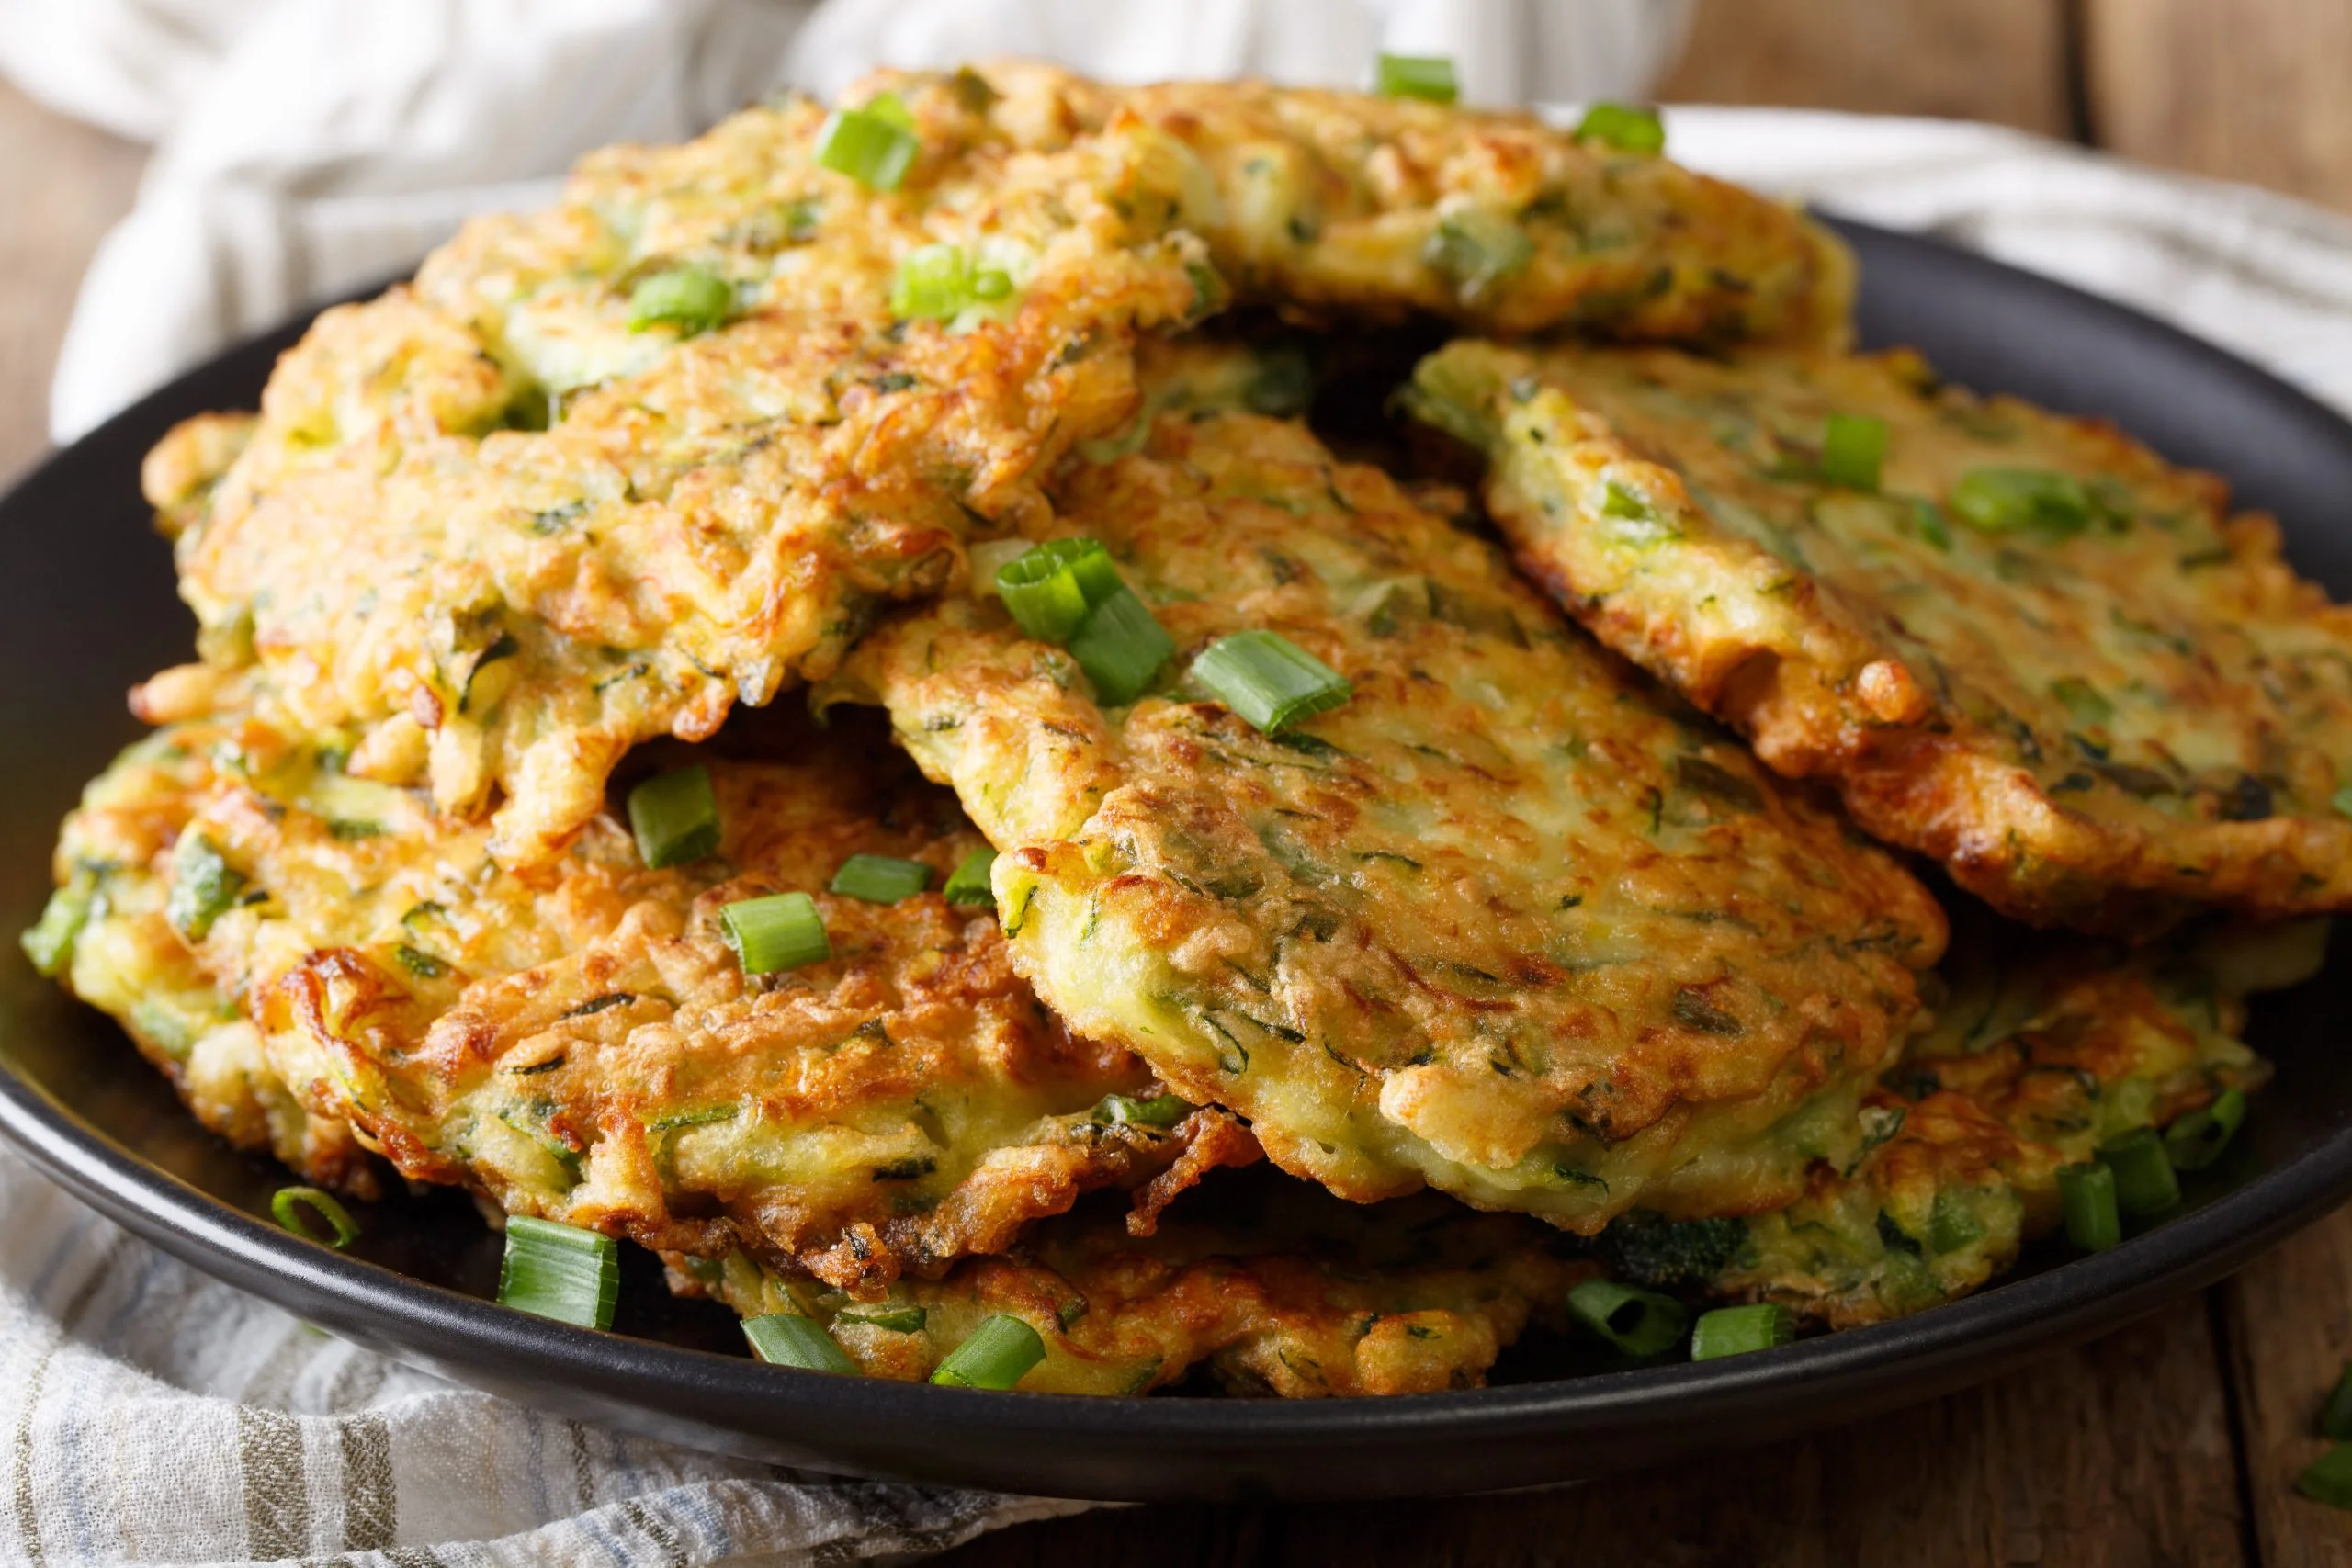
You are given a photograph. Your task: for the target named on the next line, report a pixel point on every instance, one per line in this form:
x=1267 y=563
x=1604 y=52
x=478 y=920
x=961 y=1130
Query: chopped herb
x=1475 y=249
x=1429 y=77
x=873 y=145
x=1625 y=127
x=203 y=887
x=419 y=963
x=686 y=297
x=1853 y=449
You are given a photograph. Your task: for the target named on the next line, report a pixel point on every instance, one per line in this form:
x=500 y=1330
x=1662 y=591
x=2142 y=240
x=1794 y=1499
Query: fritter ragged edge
x=1311 y=1298
x=483 y=531
x=1505 y=922
x=1327 y=202
x=579 y=1045
x=2036 y=1059
x=2101 y=719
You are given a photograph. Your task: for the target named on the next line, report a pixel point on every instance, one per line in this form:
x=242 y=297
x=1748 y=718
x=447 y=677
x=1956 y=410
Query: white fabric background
x=305 y=147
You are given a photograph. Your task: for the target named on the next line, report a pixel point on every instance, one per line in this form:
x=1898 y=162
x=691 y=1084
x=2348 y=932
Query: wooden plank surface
x=2240 y=89
x=2288 y=1323
x=61 y=184
x=1996 y=59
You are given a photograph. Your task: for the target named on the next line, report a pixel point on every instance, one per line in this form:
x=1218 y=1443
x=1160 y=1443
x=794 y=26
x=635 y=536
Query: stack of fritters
x=1513 y=922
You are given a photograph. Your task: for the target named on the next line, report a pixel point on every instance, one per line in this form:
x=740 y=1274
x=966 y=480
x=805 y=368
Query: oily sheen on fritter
x=2030 y=649
x=1328 y=204
x=2041 y=1052
x=1289 y=1292
x=581 y=1044
x=1507 y=922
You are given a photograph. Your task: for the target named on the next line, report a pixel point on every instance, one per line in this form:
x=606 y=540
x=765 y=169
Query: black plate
x=86 y=608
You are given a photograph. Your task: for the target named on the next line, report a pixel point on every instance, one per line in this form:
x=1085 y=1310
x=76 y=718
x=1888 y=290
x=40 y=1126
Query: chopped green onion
x=49 y=942
x=1734 y=1331
x=998 y=1355
x=1625 y=127
x=2082 y=700
x=1426 y=77
x=2335 y=1416
x=559 y=1272
x=685 y=297
x=890 y=1316
x=1952 y=1225
x=1051 y=590
x=2003 y=500
x=1929 y=519
x=2328 y=1478
x=935 y=282
x=2196 y=1140
x=2086 y=1195
x=2144 y=1183
x=892 y=109
x=1475 y=250
x=1269 y=679
x=286 y=1208
x=787 y=1339
x=782 y=931
x=1121 y=647
x=1853 y=449
x=1125 y=1110
x=874 y=146
x=203 y=887
x=675 y=817
x=1638 y=1323
x=969 y=884
x=880 y=879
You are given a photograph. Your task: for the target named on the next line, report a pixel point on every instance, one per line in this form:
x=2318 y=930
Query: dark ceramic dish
x=86 y=608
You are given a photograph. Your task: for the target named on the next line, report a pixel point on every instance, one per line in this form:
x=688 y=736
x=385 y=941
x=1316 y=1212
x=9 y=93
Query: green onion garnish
x=870 y=145
x=203 y=887
x=1124 y=1111
x=49 y=942
x=1269 y=679
x=998 y=1355
x=2144 y=1183
x=935 y=282
x=1426 y=77
x=1734 y=1331
x=559 y=1272
x=787 y=1339
x=1121 y=647
x=286 y=1208
x=890 y=1317
x=2086 y=1194
x=880 y=879
x=782 y=931
x=1625 y=127
x=2005 y=500
x=1852 y=450
x=2328 y=1478
x=2196 y=1140
x=685 y=297
x=675 y=817
x=969 y=884
x=1050 y=590
x=2335 y=1416
x=1638 y=1323
x=1475 y=250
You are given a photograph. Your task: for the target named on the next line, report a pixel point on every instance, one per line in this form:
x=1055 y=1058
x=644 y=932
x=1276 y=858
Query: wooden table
x=2175 y=1440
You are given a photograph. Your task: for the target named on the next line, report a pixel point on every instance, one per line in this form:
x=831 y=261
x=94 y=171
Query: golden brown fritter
x=1324 y=202
x=2039 y=1055
x=1507 y=922
x=107 y=935
x=580 y=1043
x=494 y=529
x=1308 y=1298
x=2032 y=651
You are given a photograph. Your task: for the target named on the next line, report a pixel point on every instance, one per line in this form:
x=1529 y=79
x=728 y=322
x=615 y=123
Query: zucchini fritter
x=1309 y=1298
x=2032 y=650
x=579 y=1043
x=488 y=533
x=2037 y=1058
x=1507 y=922
x=108 y=934
x=1332 y=202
